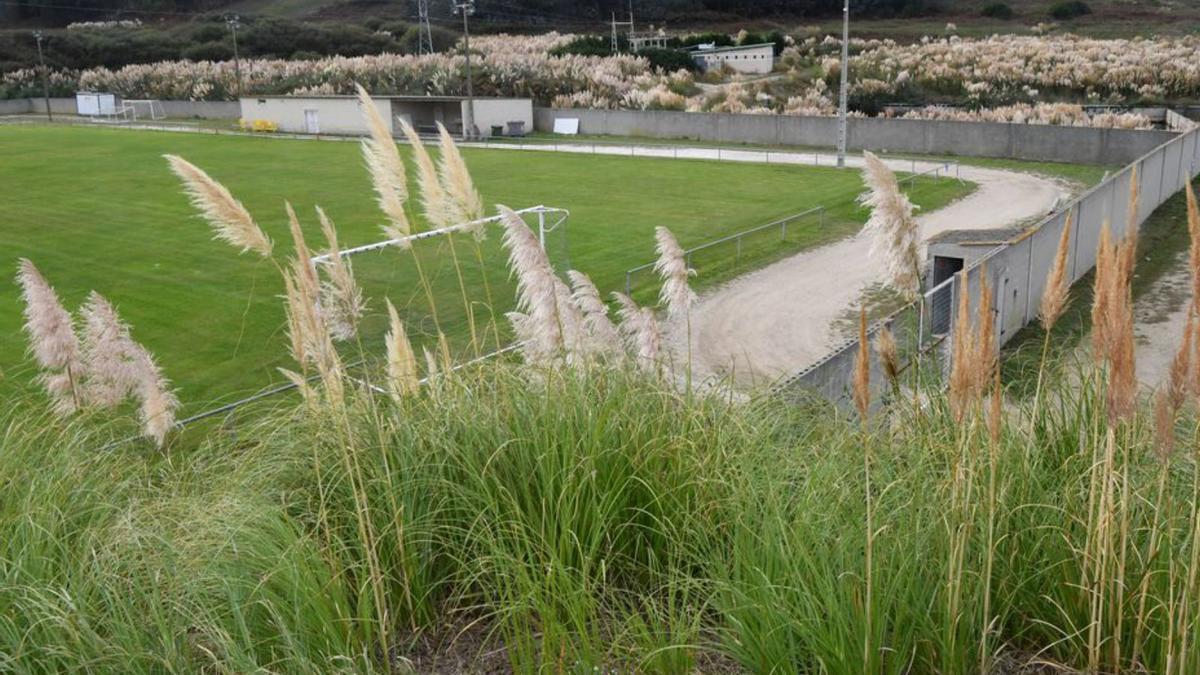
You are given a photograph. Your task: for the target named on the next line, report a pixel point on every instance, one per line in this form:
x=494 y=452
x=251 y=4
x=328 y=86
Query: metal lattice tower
x=425 y=33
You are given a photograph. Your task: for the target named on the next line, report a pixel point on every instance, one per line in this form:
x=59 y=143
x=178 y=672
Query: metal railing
x=736 y=238
x=936 y=171
x=633 y=148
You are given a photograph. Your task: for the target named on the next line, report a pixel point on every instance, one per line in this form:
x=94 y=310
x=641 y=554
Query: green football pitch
x=98 y=209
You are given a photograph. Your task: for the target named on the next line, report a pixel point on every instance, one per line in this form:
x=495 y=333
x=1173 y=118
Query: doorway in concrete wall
x=312 y=124
x=942 y=302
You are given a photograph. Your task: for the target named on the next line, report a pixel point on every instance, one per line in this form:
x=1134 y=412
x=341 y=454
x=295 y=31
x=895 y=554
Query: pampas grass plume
x=431 y=364
x=1054 y=297
x=433 y=196
x=387 y=169
x=301 y=384
x=862 y=369
x=1164 y=425
x=110 y=356
x=601 y=331
x=52 y=338
x=311 y=341
x=672 y=267
x=995 y=419
x=157 y=403
x=894 y=231
x=462 y=199
x=1180 y=377
x=985 y=340
x=961 y=350
x=537 y=296
x=889 y=357
x=640 y=329
x=230 y=221
x=1106 y=271
x=341 y=297
x=403 y=378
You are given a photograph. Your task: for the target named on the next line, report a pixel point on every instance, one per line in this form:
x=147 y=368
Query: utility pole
x=233 y=22
x=424 y=32
x=37 y=35
x=845 y=68
x=467 y=8
x=631 y=24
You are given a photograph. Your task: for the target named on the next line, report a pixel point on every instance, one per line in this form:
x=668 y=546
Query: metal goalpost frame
x=549 y=219
x=557 y=218
x=150 y=103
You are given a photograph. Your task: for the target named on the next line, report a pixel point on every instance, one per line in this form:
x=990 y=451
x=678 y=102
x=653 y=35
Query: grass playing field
x=98 y=209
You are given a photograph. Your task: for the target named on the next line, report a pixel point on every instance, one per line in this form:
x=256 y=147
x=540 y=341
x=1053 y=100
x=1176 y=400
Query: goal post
x=447 y=286
x=548 y=218
x=150 y=108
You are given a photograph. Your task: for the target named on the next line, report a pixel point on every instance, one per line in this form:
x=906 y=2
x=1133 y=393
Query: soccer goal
x=451 y=287
x=145 y=108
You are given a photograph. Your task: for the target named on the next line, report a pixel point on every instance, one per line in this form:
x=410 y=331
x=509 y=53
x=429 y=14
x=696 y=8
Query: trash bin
x=516 y=128
x=497 y=129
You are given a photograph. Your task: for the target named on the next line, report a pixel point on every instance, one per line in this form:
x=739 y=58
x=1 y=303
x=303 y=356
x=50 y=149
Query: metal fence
x=1016 y=270
x=631 y=148
x=727 y=252
x=733 y=253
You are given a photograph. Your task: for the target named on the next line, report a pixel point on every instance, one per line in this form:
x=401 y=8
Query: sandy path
x=1160 y=315
x=779 y=319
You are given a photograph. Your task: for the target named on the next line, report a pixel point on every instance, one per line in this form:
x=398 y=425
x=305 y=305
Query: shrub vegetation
x=1071 y=9
x=997 y=10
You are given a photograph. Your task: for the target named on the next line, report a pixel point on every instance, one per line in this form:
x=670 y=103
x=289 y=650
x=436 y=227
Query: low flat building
x=340 y=115
x=745 y=59
x=640 y=41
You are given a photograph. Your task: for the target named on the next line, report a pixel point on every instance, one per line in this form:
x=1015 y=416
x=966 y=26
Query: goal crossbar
x=549 y=218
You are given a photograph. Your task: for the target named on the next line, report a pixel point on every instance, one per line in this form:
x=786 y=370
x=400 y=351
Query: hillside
x=881 y=18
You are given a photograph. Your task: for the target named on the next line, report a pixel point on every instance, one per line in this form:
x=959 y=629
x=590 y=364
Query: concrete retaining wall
x=217 y=110
x=933 y=137
x=16 y=106
x=1017 y=270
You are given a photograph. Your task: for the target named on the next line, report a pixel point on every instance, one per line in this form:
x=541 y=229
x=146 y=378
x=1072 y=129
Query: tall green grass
x=586 y=519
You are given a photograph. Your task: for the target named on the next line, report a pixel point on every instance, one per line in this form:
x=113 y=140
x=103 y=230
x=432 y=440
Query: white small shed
x=93 y=103
x=745 y=59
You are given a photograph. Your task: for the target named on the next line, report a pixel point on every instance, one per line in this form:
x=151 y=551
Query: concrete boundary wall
x=1016 y=270
x=220 y=110
x=1034 y=142
x=16 y=106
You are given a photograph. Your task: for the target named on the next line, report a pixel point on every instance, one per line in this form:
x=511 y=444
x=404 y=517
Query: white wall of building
x=338 y=116
x=754 y=59
x=500 y=111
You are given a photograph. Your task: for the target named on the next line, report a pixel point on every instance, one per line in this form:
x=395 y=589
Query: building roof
x=433 y=99
x=717 y=50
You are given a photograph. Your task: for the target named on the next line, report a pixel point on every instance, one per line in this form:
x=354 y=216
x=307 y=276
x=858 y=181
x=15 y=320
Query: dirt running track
x=780 y=319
